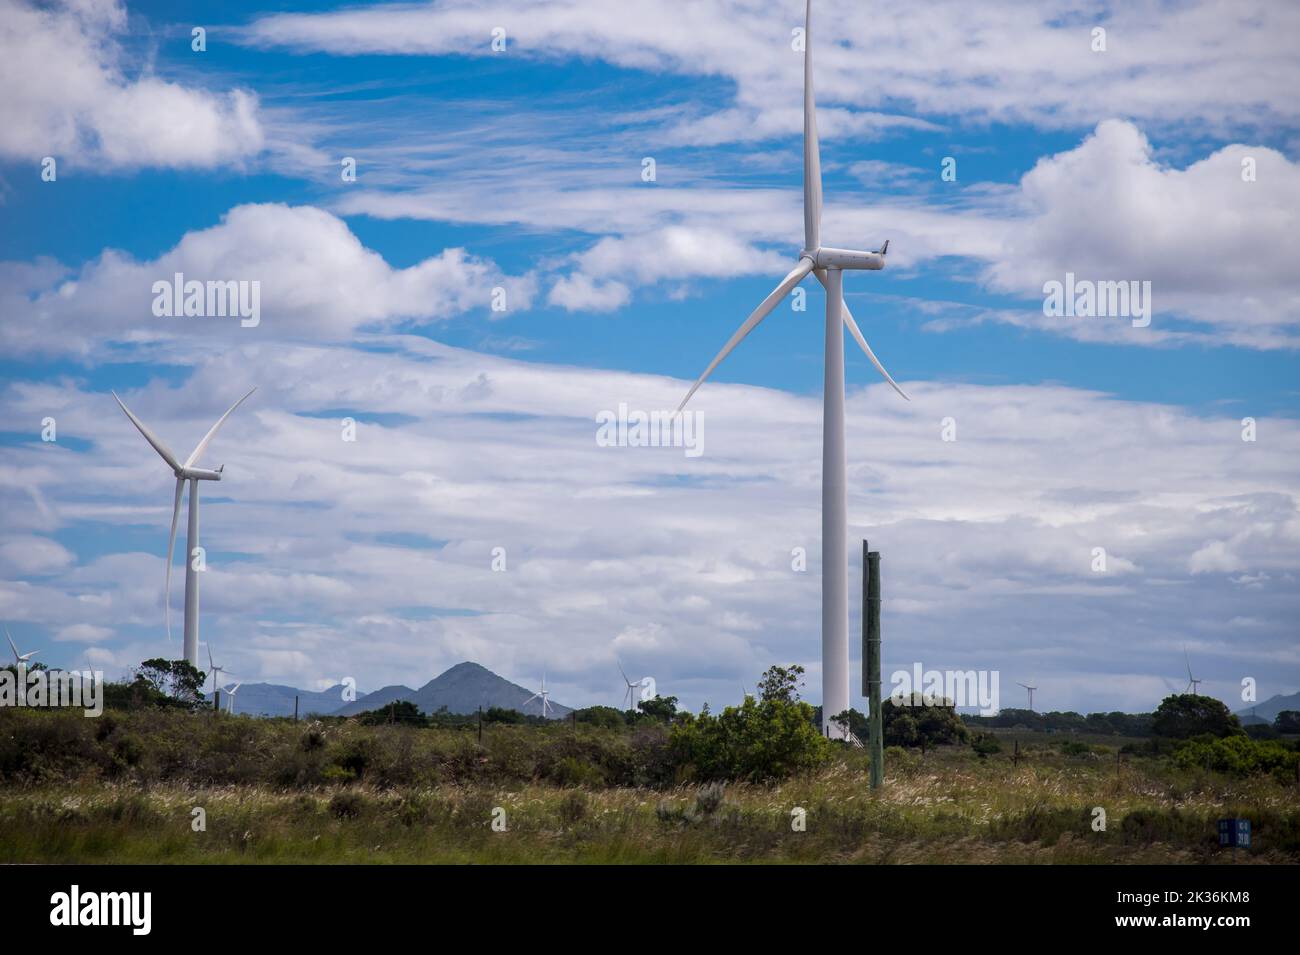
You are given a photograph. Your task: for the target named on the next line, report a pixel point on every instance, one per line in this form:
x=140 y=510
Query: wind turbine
x=230 y=696
x=213 y=669
x=1031 y=689
x=828 y=265
x=19 y=658
x=1192 y=682
x=185 y=472
x=633 y=691
x=544 y=694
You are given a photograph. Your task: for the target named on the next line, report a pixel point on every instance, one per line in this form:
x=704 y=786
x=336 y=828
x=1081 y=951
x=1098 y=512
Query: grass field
x=947 y=805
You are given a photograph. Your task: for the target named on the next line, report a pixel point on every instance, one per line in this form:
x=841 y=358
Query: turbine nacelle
x=199 y=474
x=829 y=258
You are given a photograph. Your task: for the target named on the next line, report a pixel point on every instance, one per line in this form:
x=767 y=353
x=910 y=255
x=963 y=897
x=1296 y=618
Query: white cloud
x=30 y=554
x=68 y=95
x=316 y=279
x=1220 y=67
x=1216 y=248
x=681 y=566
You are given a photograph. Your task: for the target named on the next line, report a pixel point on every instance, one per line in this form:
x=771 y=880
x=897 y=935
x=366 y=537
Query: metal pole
x=216 y=700
x=295 y=708
x=871 y=662
x=480 y=724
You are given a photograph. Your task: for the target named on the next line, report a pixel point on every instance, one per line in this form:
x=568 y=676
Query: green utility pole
x=871 y=662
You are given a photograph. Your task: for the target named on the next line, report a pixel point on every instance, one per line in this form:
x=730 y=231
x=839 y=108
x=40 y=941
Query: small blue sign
x=1234 y=832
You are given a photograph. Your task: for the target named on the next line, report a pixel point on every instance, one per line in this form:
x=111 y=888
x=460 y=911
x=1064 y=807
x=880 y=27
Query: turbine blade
x=210 y=663
x=620 y=670
x=812 y=162
x=781 y=291
x=531 y=698
x=862 y=342
x=171 y=547
x=207 y=438
x=11 y=641
x=162 y=449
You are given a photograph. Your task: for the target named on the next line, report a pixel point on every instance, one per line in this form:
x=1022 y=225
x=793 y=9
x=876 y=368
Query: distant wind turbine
x=185 y=472
x=633 y=692
x=230 y=696
x=19 y=658
x=828 y=265
x=1192 y=682
x=544 y=695
x=213 y=669
x=1031 y=689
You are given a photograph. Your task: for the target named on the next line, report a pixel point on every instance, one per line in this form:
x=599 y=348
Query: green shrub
x=1238 y=756
x=758 y=741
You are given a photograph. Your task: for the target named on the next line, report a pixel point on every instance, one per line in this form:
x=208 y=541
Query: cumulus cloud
x=316 y=280
x=1215 y=238
x=69 y=95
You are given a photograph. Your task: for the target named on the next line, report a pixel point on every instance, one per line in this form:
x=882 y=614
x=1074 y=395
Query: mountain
x=467 y=686
x=270 y=699
x=1269 y=709
x=462 y=689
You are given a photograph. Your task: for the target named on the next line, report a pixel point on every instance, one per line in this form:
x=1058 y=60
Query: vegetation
x=654 y=784
x=123 y=788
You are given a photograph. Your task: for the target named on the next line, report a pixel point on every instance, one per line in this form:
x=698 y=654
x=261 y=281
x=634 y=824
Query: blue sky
x=1123 y=164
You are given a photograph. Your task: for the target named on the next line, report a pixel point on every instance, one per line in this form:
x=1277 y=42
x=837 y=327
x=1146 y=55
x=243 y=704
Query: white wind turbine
x=1192 y=682
x=544 y=695
x=19 y=658
x=633 y=691
x=213 y=669
x=185 y=472
x=1030 y=688
x=230 y=696
x=828 y=265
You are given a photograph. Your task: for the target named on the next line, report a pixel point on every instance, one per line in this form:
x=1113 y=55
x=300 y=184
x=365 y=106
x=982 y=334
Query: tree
x=1185 y=715
x=661 y=708
x=398 y=711
x=781 y=683
x=756 y=741
x=606 y=716
x=1288 y=721
x=501 y=714
x=917 y=723
x=170 y=682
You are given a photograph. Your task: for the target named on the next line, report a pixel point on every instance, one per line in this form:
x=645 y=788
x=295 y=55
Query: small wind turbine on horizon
x=544 y=695
x=213 y=669
x=185 y=472
x=1192 y=682
x=633 y=691
x=828 y=265
x=230 y=692
x=19 y=658
x=1030 y=687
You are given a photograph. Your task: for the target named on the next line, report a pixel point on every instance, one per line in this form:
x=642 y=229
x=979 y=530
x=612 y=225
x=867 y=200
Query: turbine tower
x=230 y=696
x=1192 y=682
x=19 y=658
x=828 y=265
x=544 y=695
x=185 y=472
x=1031 y=689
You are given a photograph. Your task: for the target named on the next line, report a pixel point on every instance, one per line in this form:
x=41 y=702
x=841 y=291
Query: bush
x=758 y=741
x=1238 y=756
x=348 y=804
x=985 y=745
x=1185 y=715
